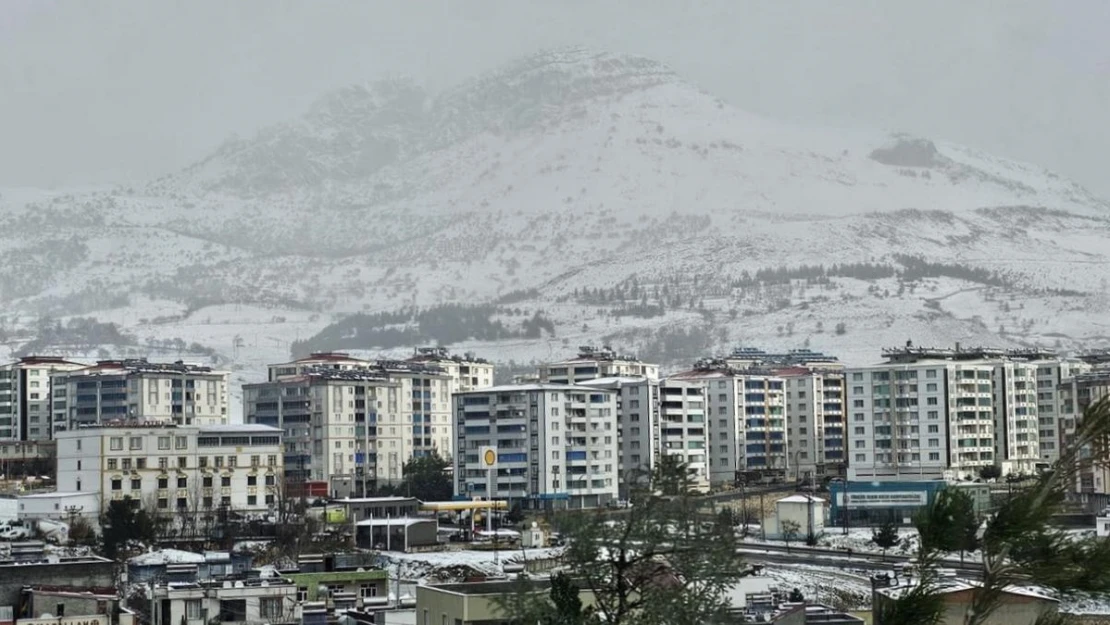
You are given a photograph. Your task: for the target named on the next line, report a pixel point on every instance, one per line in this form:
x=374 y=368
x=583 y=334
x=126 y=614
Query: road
x=819 y=556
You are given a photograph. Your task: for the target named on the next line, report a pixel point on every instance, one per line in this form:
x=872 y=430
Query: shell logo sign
x=488 y=457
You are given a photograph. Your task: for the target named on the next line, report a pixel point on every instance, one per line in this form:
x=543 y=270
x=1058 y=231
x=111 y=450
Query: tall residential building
x=138 y=391
x=179 y=470
x=1076 y=394
x=555 y=445
x=25 y=391
x=1054 y=425
x=656 y=418
x=929 y=419
x=746 y=420
x=340 y=426
x=592 y=363
x=816 y=403
x=467 y=372
x=638 y=430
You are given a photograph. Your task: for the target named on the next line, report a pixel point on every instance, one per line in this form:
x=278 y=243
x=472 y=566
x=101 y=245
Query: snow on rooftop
x=518 y=388
x=801 y=499
x=239 y=427
x=167 y=556
x=962 y=585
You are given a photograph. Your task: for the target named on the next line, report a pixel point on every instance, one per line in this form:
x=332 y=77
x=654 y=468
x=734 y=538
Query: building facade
x=174 y=469
x=555 y=445
x=815 y=413
x=592 y=363
x=26 y=388
x=138 y=391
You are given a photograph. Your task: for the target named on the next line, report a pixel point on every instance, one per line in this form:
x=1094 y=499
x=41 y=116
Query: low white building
x=60 y=506
x=273 y=600
x=170 y=468
x=806 y=512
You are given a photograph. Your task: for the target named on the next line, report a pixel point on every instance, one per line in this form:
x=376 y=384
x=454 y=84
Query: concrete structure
x=1074 y=396
x=78 y=574
x=984 y=403
x=357 y=418
x=48 y=605
x=379 y=414
x=592 y=363
x=138 y=391
x=184 y=470
x=355 y=587
x=60 y=506
x=466 y=372
x=1019 y=606
x=25 y=390
x=174 y=565
x=807 y=512
x=396 y=533
x=378 y=507
x=746 y=420
x=638 y=431
x=551 y=442
x=474 y=603
x=1053 y=426
x=272 y=600
x=816 y=436
x=26 y=458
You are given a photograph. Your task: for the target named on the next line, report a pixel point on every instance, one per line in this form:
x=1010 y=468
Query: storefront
x=870 y=503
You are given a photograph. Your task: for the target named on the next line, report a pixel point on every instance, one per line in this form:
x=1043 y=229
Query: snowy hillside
x=585 y=187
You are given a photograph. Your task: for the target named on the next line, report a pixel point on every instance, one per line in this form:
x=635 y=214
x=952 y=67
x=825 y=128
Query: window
x=136 y=443
x=271 y=461
x=182 y=462
x=231 y=461
x=163 y=442
x=180 y=442
x=252 y=500
x=125 y=463
x=163 y=463
x=254 y=461
x=115 y=443
x=269 y=480
x=302 y=594
x=117 y=483
x=367 y=590
x=207 y=481
x=113 y=464
x=252 y=480
x=225 y=481
x=269 y=608
x=136 y=484
x=202 y=462
x=182 y=482
x=192 y=609
x=163 y=503
x=163 y=482
x=182 y=503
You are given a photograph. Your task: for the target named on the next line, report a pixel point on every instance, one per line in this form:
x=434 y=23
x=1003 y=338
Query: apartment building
x=139 y=391
x=174 y=469
x=340 y=426
x=656 y=418
x=466 y=372
x=746 y=420
x=555 y=445
x=1055 y=424
x=272 y=600
x=815 y=422
x=1075 y=395
x=25 y=392
x=638 y=433
x=592 y=363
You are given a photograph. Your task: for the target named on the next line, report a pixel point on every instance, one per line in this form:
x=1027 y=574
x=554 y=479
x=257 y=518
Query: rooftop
x=349 y=500
x=499 y=587
x=229 y=428
x=435 y=354
x=912 y=353
x=142 y=365
x=537 y=386
x=167 y=556
x=955 y=586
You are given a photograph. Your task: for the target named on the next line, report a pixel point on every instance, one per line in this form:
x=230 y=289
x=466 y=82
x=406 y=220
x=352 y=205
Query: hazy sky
x=115 y=90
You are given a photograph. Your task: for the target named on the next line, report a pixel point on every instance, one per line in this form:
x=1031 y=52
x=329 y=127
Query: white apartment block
x=466 y=372
x=556 y=445
x=815 y=421
x=1017 y=438
x=340 y=426
x=682 y=429
x=592 y=363
x=1055 y=423
x=25 y=392
x=638 y=433
x=1075 y=395
x=746 y=420
x=138 y=391
x=174 y=469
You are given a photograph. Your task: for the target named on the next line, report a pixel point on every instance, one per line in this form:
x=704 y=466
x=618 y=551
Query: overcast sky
x=117 y=90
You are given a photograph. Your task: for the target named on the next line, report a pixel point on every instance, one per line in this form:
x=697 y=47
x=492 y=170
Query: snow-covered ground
x=449 y=565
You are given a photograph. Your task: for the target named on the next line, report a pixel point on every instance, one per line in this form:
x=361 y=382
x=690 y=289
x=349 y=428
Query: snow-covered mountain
x=599 y=193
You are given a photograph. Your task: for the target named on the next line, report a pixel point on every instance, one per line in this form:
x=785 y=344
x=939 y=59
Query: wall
x=80 y=574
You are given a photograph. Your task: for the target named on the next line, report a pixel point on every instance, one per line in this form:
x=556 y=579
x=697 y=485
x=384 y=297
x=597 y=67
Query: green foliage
x=425 y=477
x=671 y=476
x=886 y=536
x=124 y=523
x=990 y=472
x=446 y=324
x=653 y=564
x=1019 y=546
